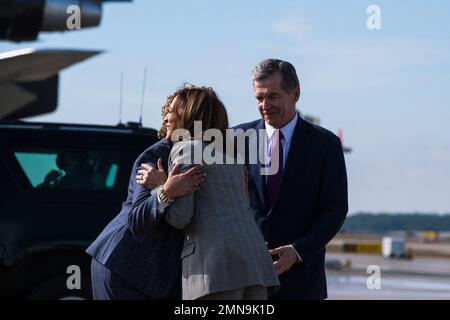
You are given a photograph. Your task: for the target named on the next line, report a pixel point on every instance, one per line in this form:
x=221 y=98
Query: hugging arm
x=180 y=212
x=143 y=214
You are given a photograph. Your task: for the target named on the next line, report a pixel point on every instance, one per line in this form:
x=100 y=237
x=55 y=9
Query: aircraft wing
x=29 y=80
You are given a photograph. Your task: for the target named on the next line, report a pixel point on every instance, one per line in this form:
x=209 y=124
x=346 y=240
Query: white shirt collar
x=287 y=130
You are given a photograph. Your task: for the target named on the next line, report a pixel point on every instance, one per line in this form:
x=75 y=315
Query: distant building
x=312 y=119
x=316 y=121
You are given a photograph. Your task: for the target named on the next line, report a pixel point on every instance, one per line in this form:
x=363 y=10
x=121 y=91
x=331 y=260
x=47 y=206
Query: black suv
x=60 y=185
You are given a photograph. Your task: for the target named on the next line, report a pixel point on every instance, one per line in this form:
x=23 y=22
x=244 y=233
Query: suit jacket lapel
x=297 y=152
x=255 y=169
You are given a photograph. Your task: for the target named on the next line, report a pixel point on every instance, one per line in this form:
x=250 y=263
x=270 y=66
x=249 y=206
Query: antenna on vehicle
x=142 y=97
x=120 y=98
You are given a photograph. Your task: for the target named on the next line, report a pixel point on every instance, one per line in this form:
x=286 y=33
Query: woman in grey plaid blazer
x=224 y=255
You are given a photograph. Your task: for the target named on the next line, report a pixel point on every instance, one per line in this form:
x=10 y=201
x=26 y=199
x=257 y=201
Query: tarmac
x=351 y=277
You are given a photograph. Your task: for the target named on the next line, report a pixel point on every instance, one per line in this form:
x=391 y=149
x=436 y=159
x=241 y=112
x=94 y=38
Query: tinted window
x=69 y=169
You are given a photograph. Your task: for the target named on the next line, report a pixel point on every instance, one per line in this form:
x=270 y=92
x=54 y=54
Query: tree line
x=382 y=222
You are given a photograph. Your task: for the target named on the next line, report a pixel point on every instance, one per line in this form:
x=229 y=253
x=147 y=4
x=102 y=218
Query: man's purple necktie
x=273 y=181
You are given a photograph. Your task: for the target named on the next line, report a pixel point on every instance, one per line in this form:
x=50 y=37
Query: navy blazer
x=309 y=209
x=138 y=244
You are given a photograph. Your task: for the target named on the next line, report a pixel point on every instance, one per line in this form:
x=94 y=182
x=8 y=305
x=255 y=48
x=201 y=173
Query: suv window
x=69 y=168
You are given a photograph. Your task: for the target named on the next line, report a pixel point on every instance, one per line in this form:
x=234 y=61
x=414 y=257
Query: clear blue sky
x=388 y=90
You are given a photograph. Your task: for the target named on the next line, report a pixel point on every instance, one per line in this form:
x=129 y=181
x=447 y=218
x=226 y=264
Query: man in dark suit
x=137 y=255
x=301 y=207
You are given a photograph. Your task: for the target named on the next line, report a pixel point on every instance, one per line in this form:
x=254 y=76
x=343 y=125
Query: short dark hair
x=269 y=67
